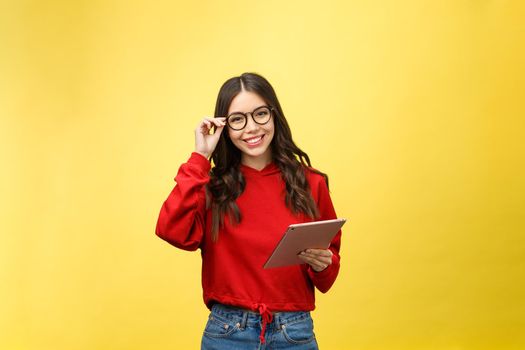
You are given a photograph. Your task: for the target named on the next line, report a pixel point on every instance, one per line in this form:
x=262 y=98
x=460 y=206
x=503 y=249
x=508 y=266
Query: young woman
x=237 y=211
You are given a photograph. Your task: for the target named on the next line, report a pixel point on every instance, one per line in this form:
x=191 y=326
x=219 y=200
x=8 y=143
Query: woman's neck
x=257 y=163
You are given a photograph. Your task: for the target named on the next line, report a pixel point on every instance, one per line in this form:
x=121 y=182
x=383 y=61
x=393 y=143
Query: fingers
x=325 y=258
x=317 y=265
x=318 y=259
x=319 y=252
x=205 y=139
x=207 y=123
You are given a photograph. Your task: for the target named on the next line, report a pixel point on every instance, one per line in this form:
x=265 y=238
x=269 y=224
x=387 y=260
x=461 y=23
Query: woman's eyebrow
x=256 y=108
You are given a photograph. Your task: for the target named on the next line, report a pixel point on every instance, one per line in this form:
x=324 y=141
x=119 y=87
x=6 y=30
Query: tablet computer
x=298 y=237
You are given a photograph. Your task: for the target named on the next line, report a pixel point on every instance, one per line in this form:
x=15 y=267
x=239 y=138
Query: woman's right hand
x=205 y=142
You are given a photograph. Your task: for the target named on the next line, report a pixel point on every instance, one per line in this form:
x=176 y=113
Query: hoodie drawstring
x=266 y=316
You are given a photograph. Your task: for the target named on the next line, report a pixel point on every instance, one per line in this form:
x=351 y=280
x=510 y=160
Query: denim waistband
x=244 y=317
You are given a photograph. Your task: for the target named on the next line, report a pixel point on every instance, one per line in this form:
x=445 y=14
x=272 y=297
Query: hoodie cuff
x=200 y=161
x=323 y=280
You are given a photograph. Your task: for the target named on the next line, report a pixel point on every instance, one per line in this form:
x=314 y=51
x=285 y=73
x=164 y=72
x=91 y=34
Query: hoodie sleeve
x=181 y=220
x=325 y=279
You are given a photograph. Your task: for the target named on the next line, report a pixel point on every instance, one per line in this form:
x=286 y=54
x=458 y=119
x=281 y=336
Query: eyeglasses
x=238 y=120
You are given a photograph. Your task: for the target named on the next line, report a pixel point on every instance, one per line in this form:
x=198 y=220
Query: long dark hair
x=226 y=180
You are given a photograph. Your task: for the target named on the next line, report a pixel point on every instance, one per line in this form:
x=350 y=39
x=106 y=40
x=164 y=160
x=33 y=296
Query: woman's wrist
x=205 y=155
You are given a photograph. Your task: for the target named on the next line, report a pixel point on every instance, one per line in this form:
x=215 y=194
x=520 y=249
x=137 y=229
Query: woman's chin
x=257 y=153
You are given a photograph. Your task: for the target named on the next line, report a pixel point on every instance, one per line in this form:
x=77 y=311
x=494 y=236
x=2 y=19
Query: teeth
x=255 y=140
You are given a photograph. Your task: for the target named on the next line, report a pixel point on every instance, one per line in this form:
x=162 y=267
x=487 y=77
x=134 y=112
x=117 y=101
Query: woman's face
x=255 y=139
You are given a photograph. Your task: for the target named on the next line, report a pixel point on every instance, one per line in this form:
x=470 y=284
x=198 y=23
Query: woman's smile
x=254 y=141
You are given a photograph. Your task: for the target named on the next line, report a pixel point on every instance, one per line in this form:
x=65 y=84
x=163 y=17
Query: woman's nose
x=250 y=123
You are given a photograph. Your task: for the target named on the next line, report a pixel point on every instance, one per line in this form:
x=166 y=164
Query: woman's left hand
x=318 y=259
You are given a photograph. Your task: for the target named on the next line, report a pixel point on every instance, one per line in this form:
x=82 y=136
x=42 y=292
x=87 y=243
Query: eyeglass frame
x=251 y=115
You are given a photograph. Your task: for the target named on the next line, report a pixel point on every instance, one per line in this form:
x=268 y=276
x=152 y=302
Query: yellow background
x=414 y=109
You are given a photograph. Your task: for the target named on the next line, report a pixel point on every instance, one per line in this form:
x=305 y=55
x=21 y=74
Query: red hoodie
x=232 y=267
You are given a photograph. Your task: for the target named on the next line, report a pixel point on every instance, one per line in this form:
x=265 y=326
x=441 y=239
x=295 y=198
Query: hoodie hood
x=270 y=169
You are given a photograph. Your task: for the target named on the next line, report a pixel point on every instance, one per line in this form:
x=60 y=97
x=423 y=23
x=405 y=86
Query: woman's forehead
x=246 y=101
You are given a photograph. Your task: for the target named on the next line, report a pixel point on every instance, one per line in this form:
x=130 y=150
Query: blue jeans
x=233 y=328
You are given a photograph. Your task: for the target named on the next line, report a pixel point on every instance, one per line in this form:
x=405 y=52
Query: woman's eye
x=236 y=119
x=262 y=113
